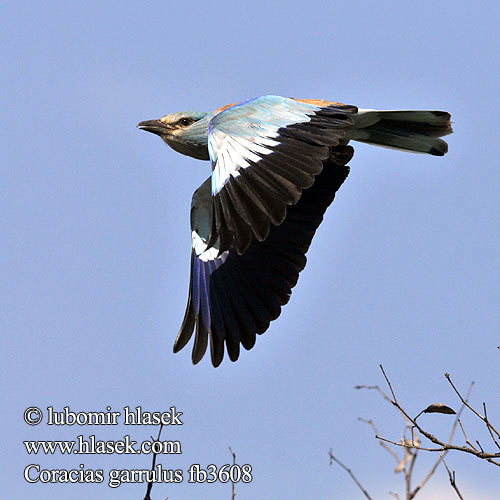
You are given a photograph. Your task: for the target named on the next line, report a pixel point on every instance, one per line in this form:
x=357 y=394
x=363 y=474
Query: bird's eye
x=185 y=122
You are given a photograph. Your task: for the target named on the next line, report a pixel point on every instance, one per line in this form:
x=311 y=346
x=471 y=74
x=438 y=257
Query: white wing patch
x=233 y=153
x=201 y=223
x=200 y=248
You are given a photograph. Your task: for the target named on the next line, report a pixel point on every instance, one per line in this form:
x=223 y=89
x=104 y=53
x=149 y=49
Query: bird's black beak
x=154 y=126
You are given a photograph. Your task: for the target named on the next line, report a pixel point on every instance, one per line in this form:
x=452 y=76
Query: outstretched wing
x=233 y=297
x=264 y=152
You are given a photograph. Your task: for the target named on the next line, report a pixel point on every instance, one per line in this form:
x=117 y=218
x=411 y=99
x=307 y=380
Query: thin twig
x=409 y=474
x=489 y=427
x=150 y=483
x=403 y=444
x=381 y=392
x=489 y=457
x=233 y=490
x=360 y=486
x=451 y=476
x=387 y=448
x=483 y=418
x=467 y=441
x=389 y=384
x=376 y=388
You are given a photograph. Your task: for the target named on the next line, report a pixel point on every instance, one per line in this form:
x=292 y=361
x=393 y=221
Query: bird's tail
x=414 y=131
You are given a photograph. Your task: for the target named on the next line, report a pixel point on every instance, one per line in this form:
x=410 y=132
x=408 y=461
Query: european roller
x=277 y=164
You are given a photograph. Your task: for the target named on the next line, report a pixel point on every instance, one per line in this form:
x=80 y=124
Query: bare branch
x=451 y=476
x=381 y=392
x=483 y=418
x=375 y=387
x=411 y=443
x=387 y=448
x=409 y=474
x=489 y=427
x=389 y=384
x=337 y=461
x=489 y=457
x=233 y=490
x=467 y=441
x=442 y=446
x=410 y=446
x=150 y=483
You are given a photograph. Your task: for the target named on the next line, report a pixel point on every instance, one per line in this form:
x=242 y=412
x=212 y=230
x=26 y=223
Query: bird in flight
x=276 y=164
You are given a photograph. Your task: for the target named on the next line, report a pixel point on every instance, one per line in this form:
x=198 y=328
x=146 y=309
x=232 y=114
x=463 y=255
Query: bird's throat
x=196 y=150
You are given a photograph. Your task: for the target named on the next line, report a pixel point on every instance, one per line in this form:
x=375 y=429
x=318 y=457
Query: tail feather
x=415 y=131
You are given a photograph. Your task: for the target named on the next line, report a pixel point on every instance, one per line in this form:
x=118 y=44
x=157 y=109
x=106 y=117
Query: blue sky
x=404 y=270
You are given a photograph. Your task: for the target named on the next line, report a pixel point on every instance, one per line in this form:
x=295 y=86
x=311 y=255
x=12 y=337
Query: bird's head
x=186 y=132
